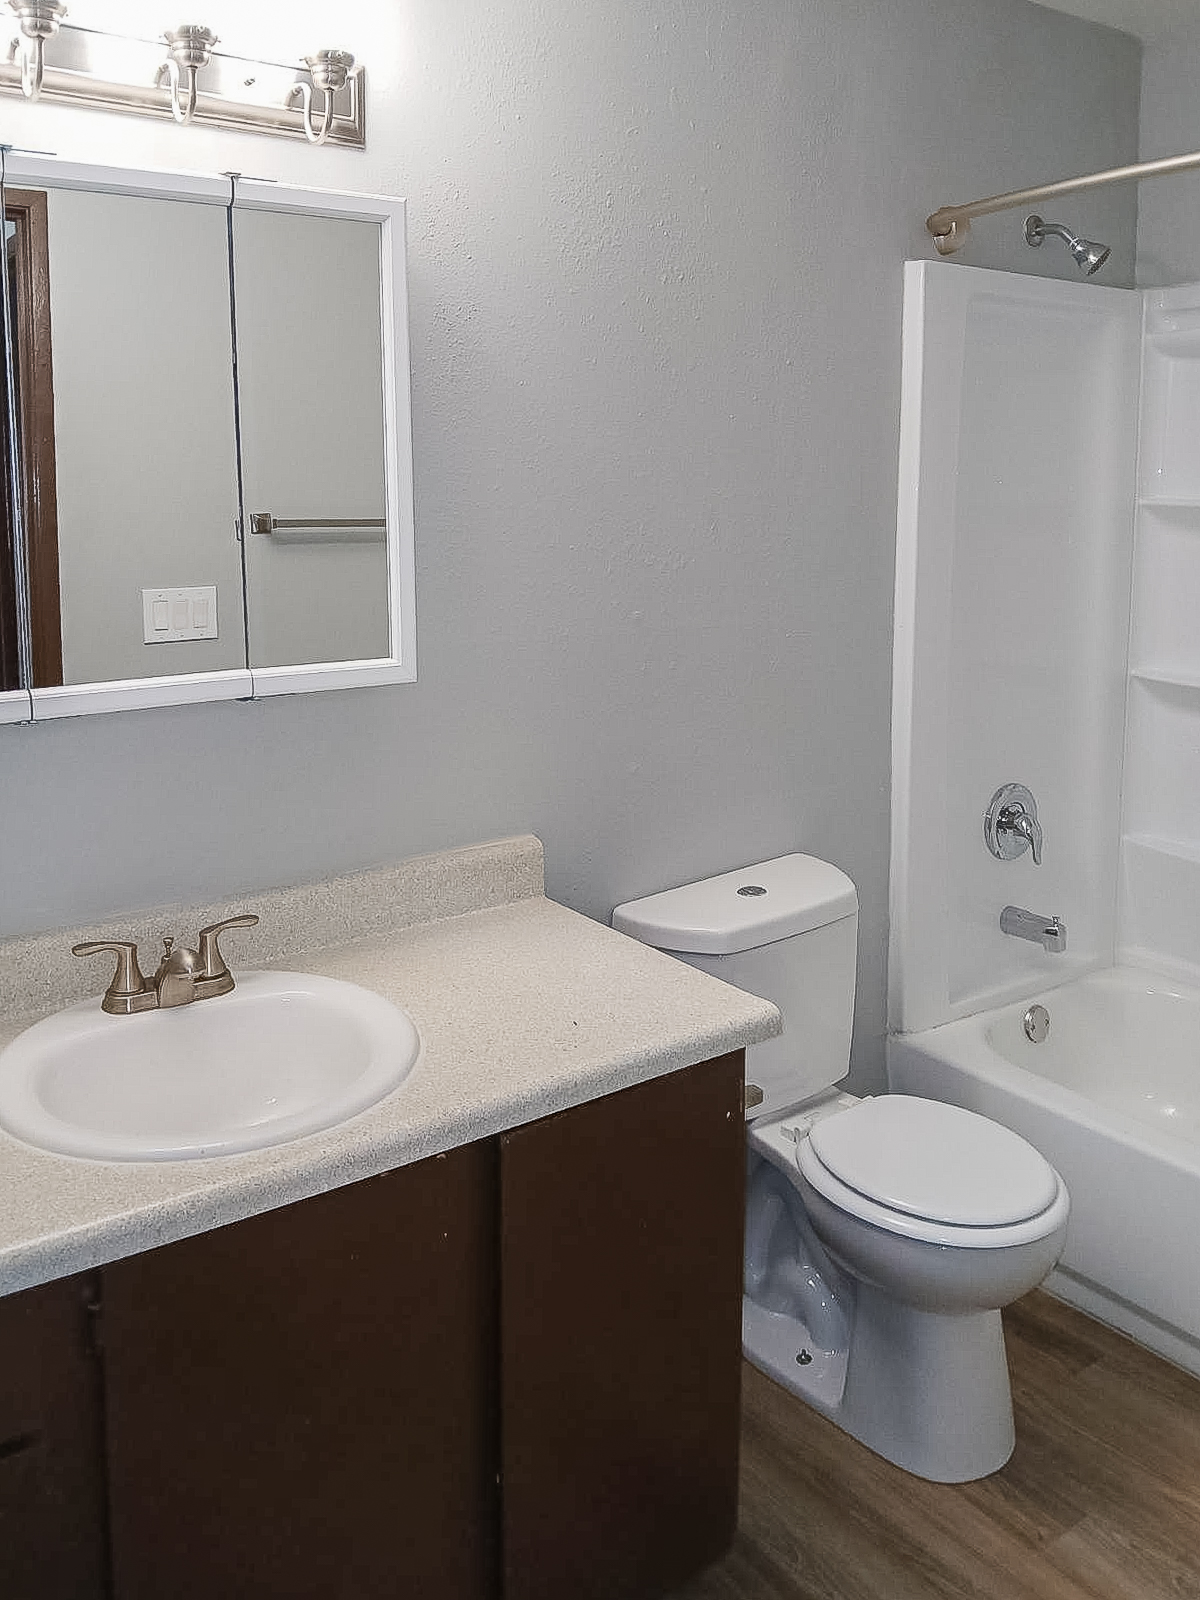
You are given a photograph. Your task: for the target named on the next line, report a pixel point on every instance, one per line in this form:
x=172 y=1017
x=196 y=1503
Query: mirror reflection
x=211 y=475
x=310 y=383
x=121 y=314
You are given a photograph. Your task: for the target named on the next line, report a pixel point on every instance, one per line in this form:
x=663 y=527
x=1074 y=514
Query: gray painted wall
x=1169 y=208
x=655 y=256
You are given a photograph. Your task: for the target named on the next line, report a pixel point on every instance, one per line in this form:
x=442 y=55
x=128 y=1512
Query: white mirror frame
x=127 y=694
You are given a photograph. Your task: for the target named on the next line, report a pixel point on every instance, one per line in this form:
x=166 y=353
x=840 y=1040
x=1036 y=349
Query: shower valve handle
x=1016 y=821
x=1010 y=824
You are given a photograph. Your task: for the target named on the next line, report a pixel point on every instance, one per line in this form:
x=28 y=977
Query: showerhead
x=1089 y=256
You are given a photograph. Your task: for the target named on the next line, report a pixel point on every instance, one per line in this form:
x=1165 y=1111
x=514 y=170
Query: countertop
x=524 y=1008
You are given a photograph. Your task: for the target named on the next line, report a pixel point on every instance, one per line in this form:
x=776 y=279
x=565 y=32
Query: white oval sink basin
x=284 y=1054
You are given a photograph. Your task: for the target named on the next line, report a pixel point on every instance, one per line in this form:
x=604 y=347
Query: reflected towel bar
x=264 y=522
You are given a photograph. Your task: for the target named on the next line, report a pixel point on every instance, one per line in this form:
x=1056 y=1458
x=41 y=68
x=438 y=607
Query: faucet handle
x=124 y=994
x=212 y=963
x=1022 y=824
x=1010 y=824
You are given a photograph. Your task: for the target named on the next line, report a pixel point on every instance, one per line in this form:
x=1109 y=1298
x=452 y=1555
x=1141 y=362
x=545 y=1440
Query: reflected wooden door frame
x=35 y=409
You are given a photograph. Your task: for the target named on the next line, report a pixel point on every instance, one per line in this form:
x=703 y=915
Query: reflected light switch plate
x=170 y=616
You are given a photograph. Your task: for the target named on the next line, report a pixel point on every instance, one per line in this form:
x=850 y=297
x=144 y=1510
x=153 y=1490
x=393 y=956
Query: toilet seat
x=933 y=1172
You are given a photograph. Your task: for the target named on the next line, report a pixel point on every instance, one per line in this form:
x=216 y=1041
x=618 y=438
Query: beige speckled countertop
x=524 y=1008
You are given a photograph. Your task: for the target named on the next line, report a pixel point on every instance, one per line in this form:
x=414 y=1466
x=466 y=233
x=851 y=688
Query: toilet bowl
x=922 y=1221
x=883 y=1235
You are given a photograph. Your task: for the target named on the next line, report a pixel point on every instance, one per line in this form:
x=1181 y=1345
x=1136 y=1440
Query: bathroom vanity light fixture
x=321 y=99
x=40 y=20
x=191 y=48
x=329 y=70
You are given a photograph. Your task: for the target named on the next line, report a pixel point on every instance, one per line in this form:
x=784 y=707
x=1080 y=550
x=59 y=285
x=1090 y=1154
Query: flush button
x=752 y=888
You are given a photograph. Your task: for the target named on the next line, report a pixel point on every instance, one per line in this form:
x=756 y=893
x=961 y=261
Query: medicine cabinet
x=206 y=440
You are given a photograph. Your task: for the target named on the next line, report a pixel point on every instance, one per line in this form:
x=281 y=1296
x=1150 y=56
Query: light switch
x=170 y=616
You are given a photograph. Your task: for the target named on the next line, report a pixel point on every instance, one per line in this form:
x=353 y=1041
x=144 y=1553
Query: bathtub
x=1112 y=1098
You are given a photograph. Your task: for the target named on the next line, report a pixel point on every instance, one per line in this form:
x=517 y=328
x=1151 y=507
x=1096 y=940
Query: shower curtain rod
x=951 y=225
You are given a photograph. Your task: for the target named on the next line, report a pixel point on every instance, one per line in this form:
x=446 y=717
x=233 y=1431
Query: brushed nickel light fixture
x=40 y=20
x=191 y=48
x=321 y=99
x=329 y=70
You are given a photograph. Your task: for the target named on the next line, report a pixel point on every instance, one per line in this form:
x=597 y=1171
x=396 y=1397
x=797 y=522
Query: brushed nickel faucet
x=182 y=975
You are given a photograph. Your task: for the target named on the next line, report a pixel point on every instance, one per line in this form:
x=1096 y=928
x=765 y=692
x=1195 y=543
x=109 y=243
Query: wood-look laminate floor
x=1100 y=1501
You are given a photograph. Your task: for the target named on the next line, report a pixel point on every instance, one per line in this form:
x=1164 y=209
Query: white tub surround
x=1159 y=911
x=1048 y=581
x=1111 y=1098
x=1014 y=549
x=524 y=1008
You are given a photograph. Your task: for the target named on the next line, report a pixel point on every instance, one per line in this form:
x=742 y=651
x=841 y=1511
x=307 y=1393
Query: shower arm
x=951 y=225
x=1055 y=228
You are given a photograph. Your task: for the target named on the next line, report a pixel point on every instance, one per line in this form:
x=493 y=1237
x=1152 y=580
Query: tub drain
x=1037 y=1023
x=804 y=1357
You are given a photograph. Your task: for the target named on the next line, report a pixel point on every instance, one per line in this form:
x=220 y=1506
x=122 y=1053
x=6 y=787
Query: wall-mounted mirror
x=209 y=485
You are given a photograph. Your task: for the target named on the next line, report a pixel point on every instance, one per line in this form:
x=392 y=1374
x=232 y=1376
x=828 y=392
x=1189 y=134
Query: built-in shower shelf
x=1174 y=849
x=1177 y=343
x=1160 y=890
x=1168 y=677
x=1170 y=502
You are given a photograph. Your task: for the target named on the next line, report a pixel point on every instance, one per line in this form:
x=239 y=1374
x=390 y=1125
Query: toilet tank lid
x=741 y=910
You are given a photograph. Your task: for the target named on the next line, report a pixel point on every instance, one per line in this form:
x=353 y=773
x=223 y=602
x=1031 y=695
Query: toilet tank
x=786 y=930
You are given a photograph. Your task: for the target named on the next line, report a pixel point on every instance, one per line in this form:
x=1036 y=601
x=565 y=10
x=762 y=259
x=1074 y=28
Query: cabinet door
x=302 y=1406
x=621 y=1285
x=52 y=1543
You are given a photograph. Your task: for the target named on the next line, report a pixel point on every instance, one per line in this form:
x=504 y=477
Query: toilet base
x=778 y=1344
x=926 y=1390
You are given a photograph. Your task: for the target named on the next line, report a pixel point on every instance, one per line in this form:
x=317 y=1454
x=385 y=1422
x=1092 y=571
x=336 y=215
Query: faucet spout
x=1049 y=932
x=175 y=978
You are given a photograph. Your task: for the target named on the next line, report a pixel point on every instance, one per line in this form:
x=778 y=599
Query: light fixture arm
x=191 y=48
x=33 y=68
x=329 y=70
x=40 y=20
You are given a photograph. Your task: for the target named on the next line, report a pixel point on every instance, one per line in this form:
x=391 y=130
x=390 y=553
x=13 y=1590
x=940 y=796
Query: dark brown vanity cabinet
x=509 y=1371
x=303 y=1406
x=621 y=1328
x=52 y=1499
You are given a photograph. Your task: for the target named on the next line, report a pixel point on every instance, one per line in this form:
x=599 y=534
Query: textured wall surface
x=1169 y=208
x=655 y=258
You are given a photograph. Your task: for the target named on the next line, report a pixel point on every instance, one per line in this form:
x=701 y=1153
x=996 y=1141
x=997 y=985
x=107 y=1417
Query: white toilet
x=882 y=1235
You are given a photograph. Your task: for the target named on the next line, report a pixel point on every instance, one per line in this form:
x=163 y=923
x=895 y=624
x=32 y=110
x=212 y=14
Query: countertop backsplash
x=38 y=973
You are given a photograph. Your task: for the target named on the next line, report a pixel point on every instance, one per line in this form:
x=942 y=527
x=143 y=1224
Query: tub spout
x=1049 y=932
